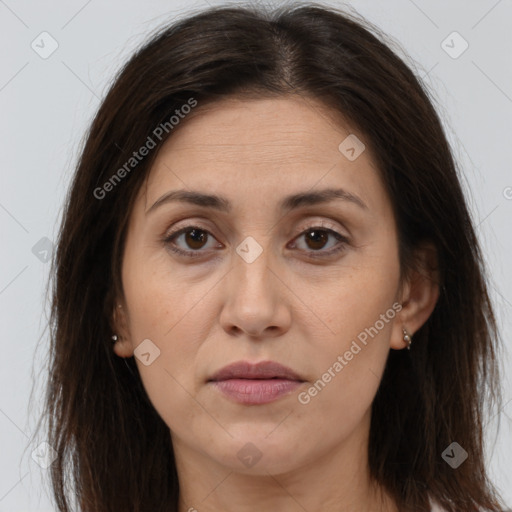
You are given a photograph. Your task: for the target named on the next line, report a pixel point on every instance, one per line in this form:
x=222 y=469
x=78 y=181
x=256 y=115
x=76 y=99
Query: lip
x=255 y=383
x=261 y=370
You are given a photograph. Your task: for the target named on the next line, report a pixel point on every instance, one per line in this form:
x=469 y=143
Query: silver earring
x=114 y=338
x=407 y=338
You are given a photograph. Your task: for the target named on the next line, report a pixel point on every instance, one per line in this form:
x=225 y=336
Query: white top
x=435 y=507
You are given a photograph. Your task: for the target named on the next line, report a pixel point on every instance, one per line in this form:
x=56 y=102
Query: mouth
x=252 y=384
x=254 y=371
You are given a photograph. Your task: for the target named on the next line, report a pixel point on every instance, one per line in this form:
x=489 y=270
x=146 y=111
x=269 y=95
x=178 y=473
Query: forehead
x=266 y=127
x=261 y=147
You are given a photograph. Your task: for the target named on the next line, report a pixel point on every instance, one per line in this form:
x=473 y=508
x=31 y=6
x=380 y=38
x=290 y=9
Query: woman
x=268 y=292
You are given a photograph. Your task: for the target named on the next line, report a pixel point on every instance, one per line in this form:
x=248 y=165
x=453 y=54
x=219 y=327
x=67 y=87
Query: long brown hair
x=113 y=450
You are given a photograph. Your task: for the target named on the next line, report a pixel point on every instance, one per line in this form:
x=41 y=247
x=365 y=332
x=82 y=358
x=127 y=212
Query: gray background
x=47 y=104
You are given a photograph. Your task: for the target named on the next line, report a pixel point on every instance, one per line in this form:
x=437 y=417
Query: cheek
x=351 y=298
x=168 y=308
x=165 y=312
x=348 y=372
x=358 y=308
x=162 y=297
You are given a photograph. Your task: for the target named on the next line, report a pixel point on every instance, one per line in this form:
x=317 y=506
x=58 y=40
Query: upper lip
x=261 y=370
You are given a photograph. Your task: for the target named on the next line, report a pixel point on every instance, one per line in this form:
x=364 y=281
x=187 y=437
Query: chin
x=259 y=450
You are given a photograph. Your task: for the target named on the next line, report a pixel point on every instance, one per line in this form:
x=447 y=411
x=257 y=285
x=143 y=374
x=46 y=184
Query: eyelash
x=167 y=240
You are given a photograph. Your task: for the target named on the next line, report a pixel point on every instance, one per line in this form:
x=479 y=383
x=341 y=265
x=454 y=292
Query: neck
x=336 y=481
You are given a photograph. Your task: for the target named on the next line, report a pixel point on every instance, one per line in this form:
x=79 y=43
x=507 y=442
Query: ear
x=123 y=346
x=418 y=295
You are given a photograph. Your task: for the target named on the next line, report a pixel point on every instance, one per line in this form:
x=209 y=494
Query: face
x=310 y=283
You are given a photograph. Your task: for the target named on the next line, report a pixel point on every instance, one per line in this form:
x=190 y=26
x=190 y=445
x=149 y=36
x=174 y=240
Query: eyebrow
x=289 y=203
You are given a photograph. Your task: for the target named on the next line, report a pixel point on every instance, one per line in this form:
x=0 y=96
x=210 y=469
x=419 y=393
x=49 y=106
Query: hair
x=108 y=438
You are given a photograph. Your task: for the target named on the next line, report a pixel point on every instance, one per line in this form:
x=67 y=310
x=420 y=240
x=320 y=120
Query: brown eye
x=190 y=241
x=317 y=238
x=195 y=238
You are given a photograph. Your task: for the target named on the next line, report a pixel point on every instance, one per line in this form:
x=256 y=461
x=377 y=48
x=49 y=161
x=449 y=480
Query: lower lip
x=256 y=391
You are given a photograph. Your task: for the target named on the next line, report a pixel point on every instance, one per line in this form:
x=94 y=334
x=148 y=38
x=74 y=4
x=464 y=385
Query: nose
x=256 y=300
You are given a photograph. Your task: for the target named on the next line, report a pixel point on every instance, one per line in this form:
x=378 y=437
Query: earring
x=115 y=337
x=407 y=338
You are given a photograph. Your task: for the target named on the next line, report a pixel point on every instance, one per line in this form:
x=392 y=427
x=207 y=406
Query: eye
x=316 y=238
x=194 y=237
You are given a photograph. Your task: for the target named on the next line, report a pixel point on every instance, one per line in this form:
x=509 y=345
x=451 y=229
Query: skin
x=285 y=306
